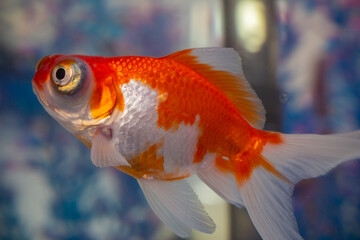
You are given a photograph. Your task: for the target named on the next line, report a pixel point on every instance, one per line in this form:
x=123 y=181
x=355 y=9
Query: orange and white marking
x=162 y=120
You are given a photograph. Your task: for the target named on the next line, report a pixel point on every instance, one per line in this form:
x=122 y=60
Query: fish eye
x=60 y=73
x=67 y=76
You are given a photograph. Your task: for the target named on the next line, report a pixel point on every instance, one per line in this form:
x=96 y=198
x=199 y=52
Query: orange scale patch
x=242 y=164
x=188 y=95
x=146 y=164
x=150 y=165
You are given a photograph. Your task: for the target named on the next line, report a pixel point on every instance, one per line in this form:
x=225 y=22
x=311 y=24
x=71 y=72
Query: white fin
x=224 y=184
x=222 y=67
x=103 y=151
x=222 y=59
x=177 y=205
x=303 y=156
x=268 y=198
x=268 y=201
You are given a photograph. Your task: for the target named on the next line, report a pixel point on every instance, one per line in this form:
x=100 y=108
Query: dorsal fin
x=222 y=67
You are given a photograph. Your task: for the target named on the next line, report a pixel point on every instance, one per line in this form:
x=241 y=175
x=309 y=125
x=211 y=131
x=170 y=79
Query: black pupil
x=60 y=73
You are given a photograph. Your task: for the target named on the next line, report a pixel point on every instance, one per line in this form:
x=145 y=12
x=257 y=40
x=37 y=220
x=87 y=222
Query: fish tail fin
x=267 y=194
x=302 y=156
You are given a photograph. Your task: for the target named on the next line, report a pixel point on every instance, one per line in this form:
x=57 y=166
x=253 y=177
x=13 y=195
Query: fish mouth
x=69 y=121
x=38 y=95
x=36 y=92
x=50 y=108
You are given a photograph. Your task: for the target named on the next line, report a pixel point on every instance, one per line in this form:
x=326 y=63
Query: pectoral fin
x=177 y=205
x=103 y=151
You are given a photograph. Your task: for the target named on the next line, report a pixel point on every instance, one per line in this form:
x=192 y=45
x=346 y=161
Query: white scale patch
x=135 y=129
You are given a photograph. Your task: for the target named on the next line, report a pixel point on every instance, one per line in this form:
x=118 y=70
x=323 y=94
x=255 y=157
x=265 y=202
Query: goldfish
x=163 y=120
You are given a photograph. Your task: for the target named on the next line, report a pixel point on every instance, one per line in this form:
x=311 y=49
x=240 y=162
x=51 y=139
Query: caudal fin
x=267 y=197
x=303 y=156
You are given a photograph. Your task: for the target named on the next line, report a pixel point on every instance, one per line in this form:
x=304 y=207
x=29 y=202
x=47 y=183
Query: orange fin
x=222 y=67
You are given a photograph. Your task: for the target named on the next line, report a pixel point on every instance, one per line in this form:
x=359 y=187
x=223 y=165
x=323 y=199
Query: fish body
x=162 y=120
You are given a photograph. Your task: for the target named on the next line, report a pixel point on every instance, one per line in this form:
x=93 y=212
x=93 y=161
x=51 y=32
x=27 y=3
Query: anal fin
x=224 y=184
x=177 y=205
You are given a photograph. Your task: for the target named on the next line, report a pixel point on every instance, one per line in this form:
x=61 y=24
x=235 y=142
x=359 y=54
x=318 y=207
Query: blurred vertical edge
x=260 y=70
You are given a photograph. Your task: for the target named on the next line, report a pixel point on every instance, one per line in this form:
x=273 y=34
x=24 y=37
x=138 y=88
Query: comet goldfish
x=162 y=120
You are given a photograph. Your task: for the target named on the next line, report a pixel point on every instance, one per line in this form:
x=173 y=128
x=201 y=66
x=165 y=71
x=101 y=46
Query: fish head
x=75 y=90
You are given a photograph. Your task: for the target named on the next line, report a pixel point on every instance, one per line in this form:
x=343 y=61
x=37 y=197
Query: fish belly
x=152 y=150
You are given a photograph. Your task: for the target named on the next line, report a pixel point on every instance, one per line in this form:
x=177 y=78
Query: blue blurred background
x=301 y=56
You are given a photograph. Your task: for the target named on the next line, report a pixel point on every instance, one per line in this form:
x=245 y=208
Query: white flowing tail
x=268 y=197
